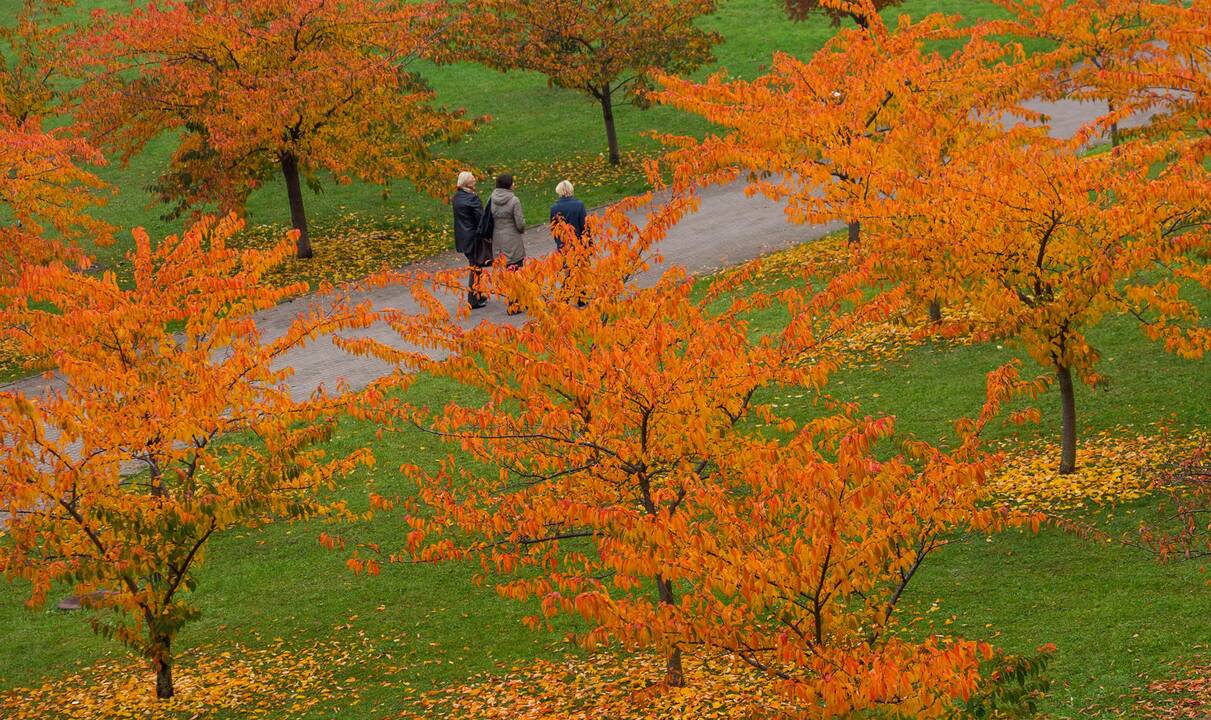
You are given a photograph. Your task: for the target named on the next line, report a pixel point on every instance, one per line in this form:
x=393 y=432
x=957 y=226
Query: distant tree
x=169 y=427
x=254 y=88
x=1097 y=47
x=606 y=49
x=860 y=11
x=831 y=134
x=1043 y=244
x=45 y=197
x=46 y=191
x=33 y=60
x=1173 y=79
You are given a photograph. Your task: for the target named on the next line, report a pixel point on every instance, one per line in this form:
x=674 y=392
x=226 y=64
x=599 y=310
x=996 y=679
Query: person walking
x=569 y=210
x=468 y=215
x=508 y=233
x=508 y=226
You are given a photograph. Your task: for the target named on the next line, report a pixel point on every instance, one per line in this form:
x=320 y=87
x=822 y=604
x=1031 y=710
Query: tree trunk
x=1068 y=439
x=674 y=674
x=935 y=311
x=1114 y=137
x=607 y=114
x=855 y=231
x=294 y=191
x=163 y=665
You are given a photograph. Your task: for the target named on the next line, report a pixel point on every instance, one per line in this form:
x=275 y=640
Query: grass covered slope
x=276 y=606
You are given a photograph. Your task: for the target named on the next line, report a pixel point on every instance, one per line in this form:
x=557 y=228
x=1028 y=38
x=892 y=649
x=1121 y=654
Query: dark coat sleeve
x=468 y=209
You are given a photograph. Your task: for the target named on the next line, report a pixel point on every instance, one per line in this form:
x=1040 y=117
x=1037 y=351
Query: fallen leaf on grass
x=1184 y=697
x=1113 y=466
x=602 y=687
x=271 y=682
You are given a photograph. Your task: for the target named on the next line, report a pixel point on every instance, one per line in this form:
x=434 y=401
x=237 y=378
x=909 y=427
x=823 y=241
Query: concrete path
x=728 y=229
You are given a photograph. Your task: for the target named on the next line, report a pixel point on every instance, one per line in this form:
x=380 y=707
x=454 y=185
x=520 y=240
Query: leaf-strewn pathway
x=729 y=229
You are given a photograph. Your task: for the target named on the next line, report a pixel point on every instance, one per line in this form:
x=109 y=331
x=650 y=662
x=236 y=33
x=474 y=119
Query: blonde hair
x=564 y=189
x=465 y=179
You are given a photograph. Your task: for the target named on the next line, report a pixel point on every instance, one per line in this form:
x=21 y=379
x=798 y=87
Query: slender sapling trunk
x=674 y=674
x=294 y=191
x=163 y=665
x=1068 y=432
x=935 y=311
x=607 y=114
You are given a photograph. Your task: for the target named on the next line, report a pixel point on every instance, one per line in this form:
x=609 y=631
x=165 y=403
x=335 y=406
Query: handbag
x=482 y=254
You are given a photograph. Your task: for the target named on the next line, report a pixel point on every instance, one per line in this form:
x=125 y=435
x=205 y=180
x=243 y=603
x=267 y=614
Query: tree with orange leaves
x=824 y=134
x=605 y=49
x=603 y=422
x=33 y=62
x=860 y=11
x=264 y=87
x=1043 y=243
x=46 y=195
x=1097 y=44
x=808 y=545
x=631 y=481
x=964 y=213
x=1173 y=78
x=45 y=191
x=116 y=479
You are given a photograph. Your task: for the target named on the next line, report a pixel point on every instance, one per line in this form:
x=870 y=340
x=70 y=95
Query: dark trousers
x=475 y=299
x=513 y=307
x=577 y=296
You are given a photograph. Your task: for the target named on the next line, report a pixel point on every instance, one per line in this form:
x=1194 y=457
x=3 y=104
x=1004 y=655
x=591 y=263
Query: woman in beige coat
x=508 y=235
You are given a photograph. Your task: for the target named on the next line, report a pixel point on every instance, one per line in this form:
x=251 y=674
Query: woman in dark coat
x=568 y=209
x=468 y=211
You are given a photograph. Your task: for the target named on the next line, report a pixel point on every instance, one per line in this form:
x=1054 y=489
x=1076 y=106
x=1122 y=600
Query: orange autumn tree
x=599 y=419
x=45 y=197
x=167 y=424
x=821 y=133
x=1097 y=47
x=627 y=470
x=257 y=88
x=605 y=49
x=1173 y=78
x=860 y=11
x=1044 y=243
x=46 y=192
x=809 y=545
x=33 y=60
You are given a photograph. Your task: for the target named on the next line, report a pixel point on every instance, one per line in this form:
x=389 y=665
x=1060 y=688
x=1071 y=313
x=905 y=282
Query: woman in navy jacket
x=568 y=209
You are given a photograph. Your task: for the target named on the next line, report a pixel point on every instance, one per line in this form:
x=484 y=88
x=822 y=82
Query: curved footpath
x=729 y=229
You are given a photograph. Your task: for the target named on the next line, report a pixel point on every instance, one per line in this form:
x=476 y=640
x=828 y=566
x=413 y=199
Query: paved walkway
x=728 y=229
